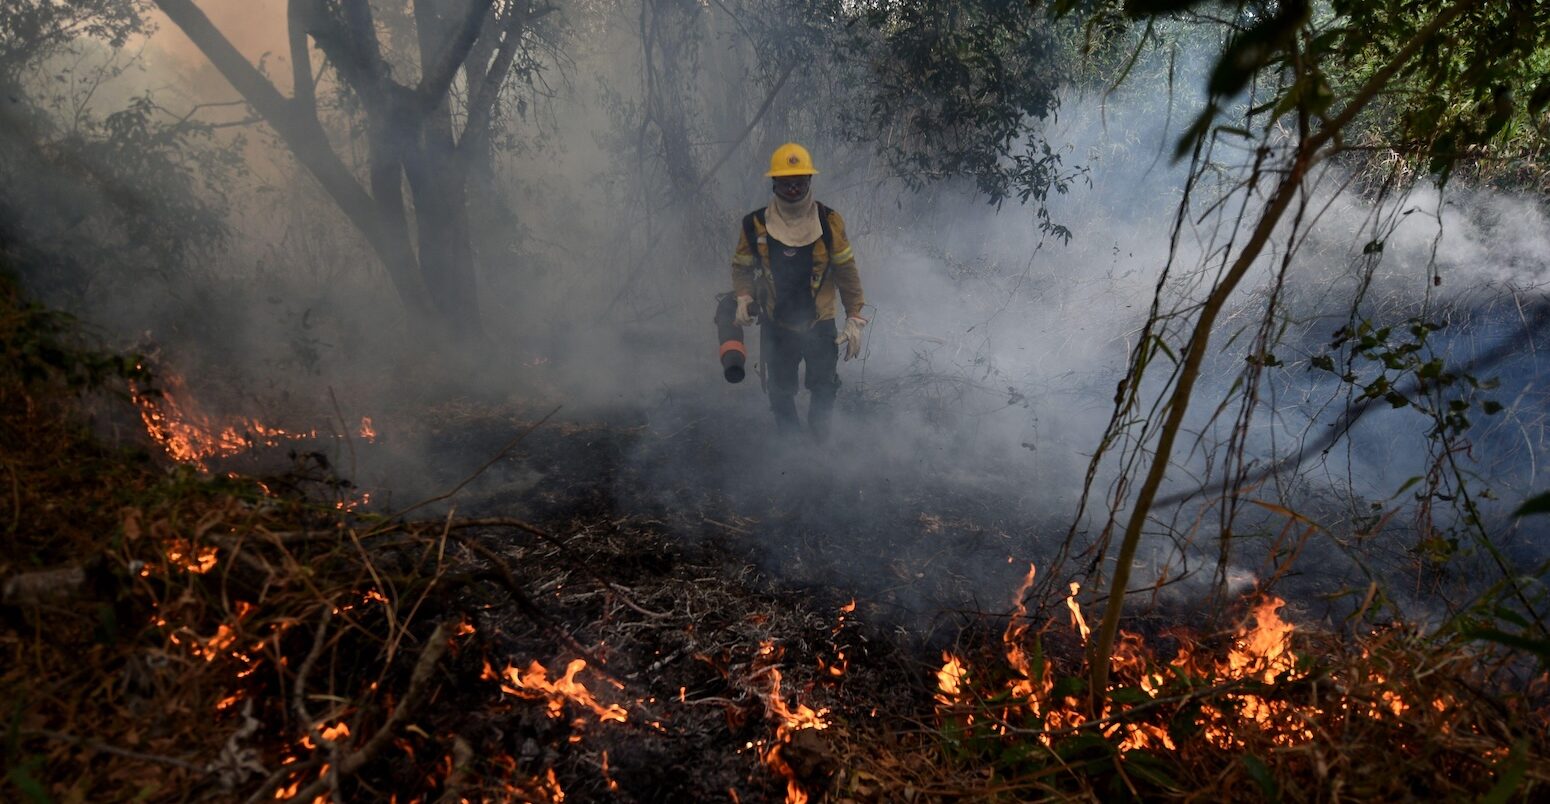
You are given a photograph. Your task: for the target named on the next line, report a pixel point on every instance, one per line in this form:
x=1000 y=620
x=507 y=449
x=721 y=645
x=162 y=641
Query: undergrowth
x=174 y=634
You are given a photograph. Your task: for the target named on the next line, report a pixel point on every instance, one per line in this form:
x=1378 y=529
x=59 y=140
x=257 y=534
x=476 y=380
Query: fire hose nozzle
x=733 y=354
x=733 y=358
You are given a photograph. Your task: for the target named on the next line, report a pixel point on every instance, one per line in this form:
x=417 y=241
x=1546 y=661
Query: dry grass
x=172 y=635
x=1392 y=716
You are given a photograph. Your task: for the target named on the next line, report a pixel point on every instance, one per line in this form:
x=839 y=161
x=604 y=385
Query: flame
x=613 y=786
x=1078 y=622
x=788 y=722
x=1012 y=640
x=211 y=649
x=533 y=683
x=952 y=679
x=1265 y=650
x=352 y=503
x=841 y=663
x=1260 y=655
x=791 y=720
x=335 y=733
x=189 y=435
x=196 y=560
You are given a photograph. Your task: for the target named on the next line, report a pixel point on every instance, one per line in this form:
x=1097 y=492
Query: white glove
x=851 y=337
x=743 y=319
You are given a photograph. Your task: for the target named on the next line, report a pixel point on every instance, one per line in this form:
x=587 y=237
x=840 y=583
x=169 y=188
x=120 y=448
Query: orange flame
x=1077 y=620
x=189 y=435
x=1260 y=655
x=788 y=722
x=534 y=683
x=196 y=560
x=952 y=679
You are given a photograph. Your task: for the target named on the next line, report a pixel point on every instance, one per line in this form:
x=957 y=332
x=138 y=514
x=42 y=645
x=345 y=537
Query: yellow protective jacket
x=751 y=276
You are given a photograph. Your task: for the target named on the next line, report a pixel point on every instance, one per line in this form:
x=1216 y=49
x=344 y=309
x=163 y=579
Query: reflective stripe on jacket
x=830 y=273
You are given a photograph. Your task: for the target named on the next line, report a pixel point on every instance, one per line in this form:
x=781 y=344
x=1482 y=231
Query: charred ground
x=658 y=608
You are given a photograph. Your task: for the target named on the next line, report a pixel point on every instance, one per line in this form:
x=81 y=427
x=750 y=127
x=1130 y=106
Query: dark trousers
x=783 y=350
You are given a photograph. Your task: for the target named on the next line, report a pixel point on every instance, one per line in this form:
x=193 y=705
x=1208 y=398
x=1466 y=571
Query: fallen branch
x=435 y=647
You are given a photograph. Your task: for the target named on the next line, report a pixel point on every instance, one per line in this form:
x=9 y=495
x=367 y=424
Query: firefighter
x=792 y=258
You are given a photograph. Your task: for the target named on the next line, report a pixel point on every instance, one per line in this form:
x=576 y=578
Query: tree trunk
x=438 y=184
x=409 y=133
x=299 y=129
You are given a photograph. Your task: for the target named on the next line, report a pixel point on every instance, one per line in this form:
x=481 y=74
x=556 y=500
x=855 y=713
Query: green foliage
x=1478 y=84
x=1407 y=373
x=960 y=90
x=1538 y=504
x=135 y=190
x=44 y=346
x=31 y=30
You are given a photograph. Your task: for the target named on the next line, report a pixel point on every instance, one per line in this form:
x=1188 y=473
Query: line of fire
x=802 y=401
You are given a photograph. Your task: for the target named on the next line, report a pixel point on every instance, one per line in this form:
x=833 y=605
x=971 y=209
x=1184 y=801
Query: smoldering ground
x=964 y=432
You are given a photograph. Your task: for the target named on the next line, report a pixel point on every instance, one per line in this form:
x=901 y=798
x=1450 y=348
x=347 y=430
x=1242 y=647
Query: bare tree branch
x=298 y=18
x=481 y=100
x=436 y=79
x=307 y=141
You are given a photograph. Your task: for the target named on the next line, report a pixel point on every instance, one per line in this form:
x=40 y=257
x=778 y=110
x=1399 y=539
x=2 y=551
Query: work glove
x=850 y=339
x=744 y=318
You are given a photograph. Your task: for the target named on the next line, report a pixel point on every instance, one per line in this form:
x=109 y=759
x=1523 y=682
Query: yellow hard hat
x=791 y=160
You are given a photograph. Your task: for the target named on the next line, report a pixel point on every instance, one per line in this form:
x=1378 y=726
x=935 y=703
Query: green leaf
x=1077 y=746
x=1538 y=647
x=1534 y=505
x=1503 y=613
x=1069 y=687
x=1129 y=695
x=1262 y=776
x=1196 y=131
x=21 y=776
x=1151 y=768
x=1163 y=345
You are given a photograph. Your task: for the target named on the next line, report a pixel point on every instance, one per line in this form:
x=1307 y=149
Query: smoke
x=965 y=430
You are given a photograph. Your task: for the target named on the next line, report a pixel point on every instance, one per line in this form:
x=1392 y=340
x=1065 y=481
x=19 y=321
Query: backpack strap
x=751 y=234
x=828 y=232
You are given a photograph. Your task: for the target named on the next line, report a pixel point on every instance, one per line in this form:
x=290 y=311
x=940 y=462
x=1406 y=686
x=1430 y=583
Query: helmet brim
x=776 y=174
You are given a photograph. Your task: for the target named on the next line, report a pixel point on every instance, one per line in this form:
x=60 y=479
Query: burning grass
x=1267 y=712
x=176 y=632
